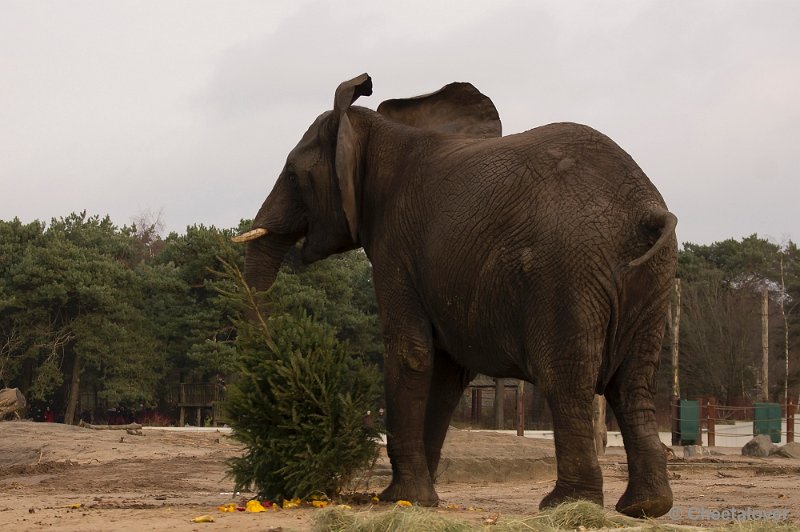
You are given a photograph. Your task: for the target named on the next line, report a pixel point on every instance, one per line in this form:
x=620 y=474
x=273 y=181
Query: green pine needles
x=299 y=407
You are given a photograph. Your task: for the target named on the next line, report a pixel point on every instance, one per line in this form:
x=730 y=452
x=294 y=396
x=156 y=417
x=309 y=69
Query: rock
x=761 y=445
x=12 y=402
x=694 y=450
x=790 y=450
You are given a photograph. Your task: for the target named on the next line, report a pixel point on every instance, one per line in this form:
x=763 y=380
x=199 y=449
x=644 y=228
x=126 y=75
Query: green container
x=767 y=420
x=690 y=422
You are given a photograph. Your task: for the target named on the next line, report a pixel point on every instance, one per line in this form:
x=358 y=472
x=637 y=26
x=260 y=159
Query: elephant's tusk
x=250 y=235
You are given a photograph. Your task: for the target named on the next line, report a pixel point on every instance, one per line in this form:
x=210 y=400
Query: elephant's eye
x=292 y=177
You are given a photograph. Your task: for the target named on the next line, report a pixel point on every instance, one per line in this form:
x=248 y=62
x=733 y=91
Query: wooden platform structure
x=497 y=387
x=201 y=396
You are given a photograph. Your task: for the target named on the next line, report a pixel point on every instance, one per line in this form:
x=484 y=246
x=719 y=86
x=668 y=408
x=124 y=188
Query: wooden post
x=676 y=329
x=711 y=415
x=790 y=411
x=182 y=401
x=765 y=344
x=479 y=404
x=499 y=407
x=785 y=316
x=479 y=410
x=474 y=411
x=521 y=408
x=676 y=388
x=599 y=424
x=675 y=412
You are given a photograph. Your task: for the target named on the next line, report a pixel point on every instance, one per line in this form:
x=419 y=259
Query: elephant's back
x=570 y=161
x=579 y=163
x=559 y=203
x=564 y=180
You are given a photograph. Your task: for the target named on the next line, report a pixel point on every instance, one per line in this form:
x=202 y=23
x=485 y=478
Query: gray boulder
x=790 y=450
x=761 y=446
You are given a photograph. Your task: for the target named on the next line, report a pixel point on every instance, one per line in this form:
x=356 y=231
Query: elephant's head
x=317 y=195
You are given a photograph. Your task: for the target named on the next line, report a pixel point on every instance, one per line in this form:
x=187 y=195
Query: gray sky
x=189 y=108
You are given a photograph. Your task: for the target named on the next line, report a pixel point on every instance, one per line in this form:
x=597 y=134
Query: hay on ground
x=579 y=515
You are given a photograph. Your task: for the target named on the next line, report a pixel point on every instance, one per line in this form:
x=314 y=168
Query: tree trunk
x=129 y=426
x=74 y=390
x=765 y=345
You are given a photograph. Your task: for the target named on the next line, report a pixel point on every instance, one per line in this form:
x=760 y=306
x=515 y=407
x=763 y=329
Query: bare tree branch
x=10 y=344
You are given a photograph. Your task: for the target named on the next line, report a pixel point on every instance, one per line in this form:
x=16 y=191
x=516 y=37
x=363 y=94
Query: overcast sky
x=188 y=108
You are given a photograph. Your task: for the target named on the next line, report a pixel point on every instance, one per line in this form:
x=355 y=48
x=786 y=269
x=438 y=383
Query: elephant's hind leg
x=569 y=385
x=579 y=475
x=630 y=394
x=447 y=385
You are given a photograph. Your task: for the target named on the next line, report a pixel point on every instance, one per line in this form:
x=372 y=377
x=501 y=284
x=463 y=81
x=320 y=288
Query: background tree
x=15 y=238
x=720 y=329
x=789 y=284
x=197 y=324
x=72 y=291
x=124 y=314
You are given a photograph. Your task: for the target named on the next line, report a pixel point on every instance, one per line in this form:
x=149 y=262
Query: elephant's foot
x=650 y=502
x=648 y=493
x=414 y=492
x=563 y=493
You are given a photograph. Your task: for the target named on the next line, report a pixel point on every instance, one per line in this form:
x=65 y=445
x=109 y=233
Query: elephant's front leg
x=408 y=367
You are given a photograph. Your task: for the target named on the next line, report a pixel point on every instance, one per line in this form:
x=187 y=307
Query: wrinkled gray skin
x=545 y=256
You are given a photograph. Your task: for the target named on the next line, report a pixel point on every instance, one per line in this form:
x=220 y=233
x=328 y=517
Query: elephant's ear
x=455 y=108
x=348 y=152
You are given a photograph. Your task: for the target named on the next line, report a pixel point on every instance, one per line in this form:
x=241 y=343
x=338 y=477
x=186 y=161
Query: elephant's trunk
x=277 y=226
x=263 y=258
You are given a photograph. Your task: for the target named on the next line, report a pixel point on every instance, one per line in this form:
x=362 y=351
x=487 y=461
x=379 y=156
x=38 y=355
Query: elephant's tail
x=657 y=221
x=659 y=225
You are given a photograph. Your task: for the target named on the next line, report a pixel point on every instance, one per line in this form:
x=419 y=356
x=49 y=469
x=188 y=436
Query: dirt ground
x=162 y=479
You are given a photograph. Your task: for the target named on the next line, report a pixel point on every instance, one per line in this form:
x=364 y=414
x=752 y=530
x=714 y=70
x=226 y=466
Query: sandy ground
x=160 y=480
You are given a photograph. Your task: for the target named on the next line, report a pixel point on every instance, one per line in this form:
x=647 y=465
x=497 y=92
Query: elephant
x=546 y=256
